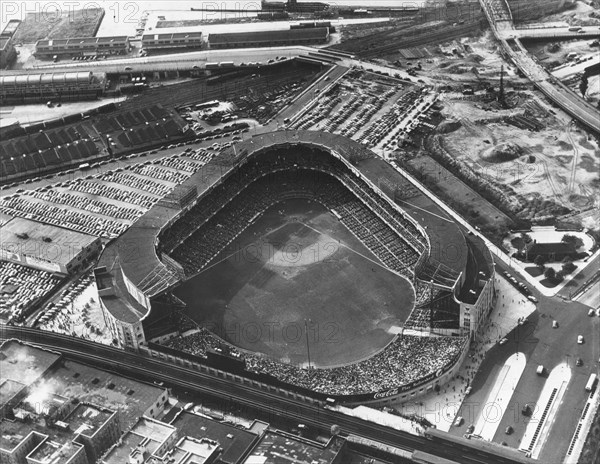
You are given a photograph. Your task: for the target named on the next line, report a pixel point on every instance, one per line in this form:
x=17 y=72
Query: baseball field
x=297 y=281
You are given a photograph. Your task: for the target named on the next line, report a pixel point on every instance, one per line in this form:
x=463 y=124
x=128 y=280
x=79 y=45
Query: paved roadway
x=554 y=33
x=133 y=364
x=557 y=92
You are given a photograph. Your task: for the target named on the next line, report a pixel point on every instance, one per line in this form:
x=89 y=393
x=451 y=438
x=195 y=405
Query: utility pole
x=501 y=98
x=307 y=343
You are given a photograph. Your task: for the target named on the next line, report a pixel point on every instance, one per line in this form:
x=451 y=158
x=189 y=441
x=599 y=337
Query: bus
x=591 y=382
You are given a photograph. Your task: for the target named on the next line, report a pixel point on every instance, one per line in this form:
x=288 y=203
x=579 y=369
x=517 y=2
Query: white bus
x=590 y=385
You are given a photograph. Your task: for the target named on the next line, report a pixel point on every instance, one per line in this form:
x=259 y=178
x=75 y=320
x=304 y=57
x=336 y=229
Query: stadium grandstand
x=82 y=46
x=56 y=87
x=304 y=36
x=180 y=237
x=151 y=41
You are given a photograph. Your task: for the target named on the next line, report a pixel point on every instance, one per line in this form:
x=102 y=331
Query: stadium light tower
x=307 y=343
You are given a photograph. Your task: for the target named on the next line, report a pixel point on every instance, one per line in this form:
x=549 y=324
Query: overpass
x=500 y=19
x=232 y=388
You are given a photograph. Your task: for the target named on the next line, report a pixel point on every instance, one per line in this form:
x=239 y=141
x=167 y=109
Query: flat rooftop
x=8 y=389
x=87 y=419
x=43 y=241
x=90 y=385
x=54 y=452
x=274 y=448
x=24 y=363
x=235 y=442
x=120 y=454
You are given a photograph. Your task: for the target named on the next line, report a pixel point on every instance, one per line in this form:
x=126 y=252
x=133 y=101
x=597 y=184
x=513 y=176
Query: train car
x=212 y=65
x=481 y=445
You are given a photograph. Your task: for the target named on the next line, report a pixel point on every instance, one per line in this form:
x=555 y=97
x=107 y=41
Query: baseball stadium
x=301 y=260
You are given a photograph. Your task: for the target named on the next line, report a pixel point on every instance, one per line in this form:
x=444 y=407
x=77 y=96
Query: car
x=467 y=391
x=579 y=362
x=458 y=422
x=470 y=428
x=580 y=339
x=4 y=187
x=591 y=313
x=532 y=298
x=555 y=324
x=128 y=68
x=508 y=430
x=503 y=341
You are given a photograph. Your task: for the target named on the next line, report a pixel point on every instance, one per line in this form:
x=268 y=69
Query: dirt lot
x=556 y=166
x=49 y=24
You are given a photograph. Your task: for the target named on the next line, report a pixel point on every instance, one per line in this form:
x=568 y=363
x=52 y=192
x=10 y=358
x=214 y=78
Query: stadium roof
x=268 y=36
x=43 y=241
x=134 y=252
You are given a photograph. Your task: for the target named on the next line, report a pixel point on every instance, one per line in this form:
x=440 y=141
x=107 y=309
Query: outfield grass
x=299 y=262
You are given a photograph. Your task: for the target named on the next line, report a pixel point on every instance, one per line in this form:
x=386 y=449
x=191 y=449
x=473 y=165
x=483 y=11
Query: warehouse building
x=33 y=88
x=304 y=36
x=8 y=53
x=172 y=40
x=82 y=46
x=46 y=247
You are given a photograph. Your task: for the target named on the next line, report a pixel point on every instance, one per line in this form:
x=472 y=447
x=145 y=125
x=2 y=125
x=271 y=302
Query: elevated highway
x=223 y=386
x=591 y=32
x=504 y=30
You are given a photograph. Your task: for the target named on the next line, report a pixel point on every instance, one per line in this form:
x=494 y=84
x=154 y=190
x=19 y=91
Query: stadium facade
x=452 y=273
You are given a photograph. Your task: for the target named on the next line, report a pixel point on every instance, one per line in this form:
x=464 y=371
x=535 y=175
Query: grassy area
x=50 y=24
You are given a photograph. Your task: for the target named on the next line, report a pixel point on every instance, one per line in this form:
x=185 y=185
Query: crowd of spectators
x=197 y=237
x=197 y=343
x=407 y=359
x=63 y=217
x=21 y=286
x=96 y=206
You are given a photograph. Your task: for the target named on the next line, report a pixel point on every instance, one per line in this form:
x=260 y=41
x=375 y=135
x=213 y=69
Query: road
x=500 y=20
x=138 y=366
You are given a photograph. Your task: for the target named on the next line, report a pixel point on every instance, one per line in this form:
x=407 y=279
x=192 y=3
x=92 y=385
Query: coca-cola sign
x=385 y=394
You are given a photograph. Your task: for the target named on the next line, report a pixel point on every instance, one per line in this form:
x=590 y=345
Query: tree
x=568 y=267
x=576 y=241
x=539 y=261
x=550 y=273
